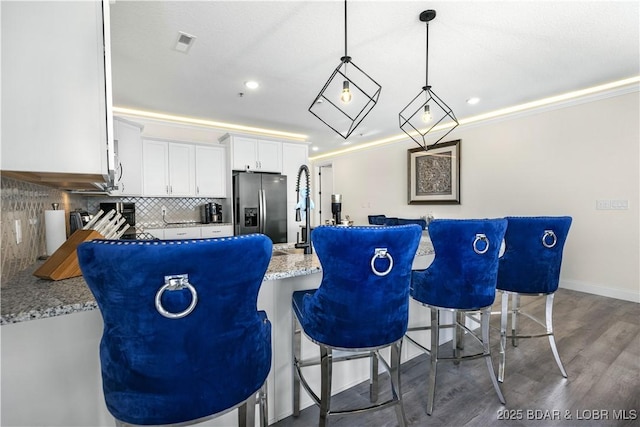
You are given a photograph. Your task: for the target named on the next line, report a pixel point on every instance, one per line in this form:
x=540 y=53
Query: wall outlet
x=616 y=205
x=619 y=204
x=164 y=210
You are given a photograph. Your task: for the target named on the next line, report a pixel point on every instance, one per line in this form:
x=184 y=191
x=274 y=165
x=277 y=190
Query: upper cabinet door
x=269 y=155
x=244 y=153
x=128 y=148
x=211 y=172
x=181 y=170
x=253 y=154
x=56 y=102
x=155 y=168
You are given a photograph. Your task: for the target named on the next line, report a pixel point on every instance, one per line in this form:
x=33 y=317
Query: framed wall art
x=434 y=175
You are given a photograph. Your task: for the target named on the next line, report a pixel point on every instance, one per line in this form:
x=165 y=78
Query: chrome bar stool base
x=515 y=312
x=326 y=361
x=460 y=329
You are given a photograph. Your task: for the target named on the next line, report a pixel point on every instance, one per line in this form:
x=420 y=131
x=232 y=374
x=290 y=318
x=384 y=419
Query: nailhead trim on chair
x=168 y=242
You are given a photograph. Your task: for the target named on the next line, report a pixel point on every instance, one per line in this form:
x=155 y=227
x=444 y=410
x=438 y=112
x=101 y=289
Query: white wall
x=554 y=162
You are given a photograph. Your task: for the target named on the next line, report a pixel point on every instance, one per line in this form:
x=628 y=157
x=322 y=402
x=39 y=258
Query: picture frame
x=434 y=175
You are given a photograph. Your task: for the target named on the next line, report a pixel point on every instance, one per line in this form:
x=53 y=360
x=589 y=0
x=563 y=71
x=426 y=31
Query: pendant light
x=427 y=110
x=348 y=96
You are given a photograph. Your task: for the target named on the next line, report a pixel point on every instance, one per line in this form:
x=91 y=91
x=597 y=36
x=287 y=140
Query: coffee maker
x=336 y=208
x=216 y=212
x=210 y=213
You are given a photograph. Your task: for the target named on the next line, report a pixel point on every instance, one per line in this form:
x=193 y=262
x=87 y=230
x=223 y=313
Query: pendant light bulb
x=345 y=96
x=426 y=116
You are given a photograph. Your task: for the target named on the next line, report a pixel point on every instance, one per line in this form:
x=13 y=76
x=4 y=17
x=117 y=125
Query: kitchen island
x=51 y=333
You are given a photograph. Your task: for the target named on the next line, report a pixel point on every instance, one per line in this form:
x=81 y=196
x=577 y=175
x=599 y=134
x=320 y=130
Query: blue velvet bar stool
x=462 y=280
x=360 y=307
x=183 y=341
x=376 y=219
x=421 y=222
x=530 y=266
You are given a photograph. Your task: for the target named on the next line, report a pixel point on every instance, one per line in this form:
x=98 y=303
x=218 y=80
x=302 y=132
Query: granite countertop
x=27 y=297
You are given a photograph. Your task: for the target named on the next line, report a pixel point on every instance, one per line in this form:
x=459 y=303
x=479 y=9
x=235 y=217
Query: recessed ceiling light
x=315 y=148
x=252 y=84
x=473 y=101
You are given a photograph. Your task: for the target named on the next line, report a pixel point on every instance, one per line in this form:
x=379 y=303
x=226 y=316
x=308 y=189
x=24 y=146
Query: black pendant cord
x=345 y=28
x=426 y=78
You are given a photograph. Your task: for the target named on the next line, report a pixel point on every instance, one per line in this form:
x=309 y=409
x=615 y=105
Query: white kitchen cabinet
x=182 y=233
x=211 y=171
x=254 y=154
x=195 y=232
x=56 y=88
x=182 y=181
x=217 y=231
x=127 y=139
x=155 y=173
x=168 y=169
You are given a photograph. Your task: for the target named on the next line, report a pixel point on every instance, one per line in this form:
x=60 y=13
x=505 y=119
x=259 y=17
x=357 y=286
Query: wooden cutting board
x=63 y=264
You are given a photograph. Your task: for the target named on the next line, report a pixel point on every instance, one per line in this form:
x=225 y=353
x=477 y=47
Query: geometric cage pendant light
x=348 y=96
x=427 y=110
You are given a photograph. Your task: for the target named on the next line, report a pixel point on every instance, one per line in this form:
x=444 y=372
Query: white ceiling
x=505 y=53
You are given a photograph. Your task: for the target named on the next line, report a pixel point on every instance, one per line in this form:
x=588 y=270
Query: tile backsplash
x=149 y=209
x=24 y=203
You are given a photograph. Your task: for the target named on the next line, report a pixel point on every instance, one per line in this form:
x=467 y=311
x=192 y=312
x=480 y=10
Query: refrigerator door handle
x=263 y=211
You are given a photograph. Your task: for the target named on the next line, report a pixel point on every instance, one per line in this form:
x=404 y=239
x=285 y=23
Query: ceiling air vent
x=184 y=42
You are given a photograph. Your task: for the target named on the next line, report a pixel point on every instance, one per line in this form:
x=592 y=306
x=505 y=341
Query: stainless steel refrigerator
x=260 y=204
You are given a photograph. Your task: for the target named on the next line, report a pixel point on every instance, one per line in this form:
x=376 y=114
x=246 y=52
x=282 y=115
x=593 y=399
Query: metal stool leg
x=296 y=343
x=373 y=377
x=325 y=384
x=485 y=316
x=435 y=332
x=504 y=316
x=247 y=412
x=458 y=335
x=264 y=405
x=515 y=310
x=394 y=374
x=552 y=340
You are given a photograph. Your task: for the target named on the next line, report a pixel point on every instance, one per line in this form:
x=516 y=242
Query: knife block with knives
x=63 y=263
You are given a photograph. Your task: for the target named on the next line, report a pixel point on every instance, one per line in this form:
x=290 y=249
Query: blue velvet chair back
x=459 y=277
x=376 y=219
x=390 y=221
x=528 y=266
x=158 y=370
x=354 y=307
x=421 y=222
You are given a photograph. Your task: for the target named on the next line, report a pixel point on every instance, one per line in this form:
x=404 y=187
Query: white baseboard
x=601 y=290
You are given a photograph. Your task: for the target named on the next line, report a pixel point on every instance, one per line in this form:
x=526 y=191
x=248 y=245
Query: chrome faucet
x=306 y=243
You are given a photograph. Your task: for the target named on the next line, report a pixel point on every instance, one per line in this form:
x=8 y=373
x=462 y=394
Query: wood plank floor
x=598 y=339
